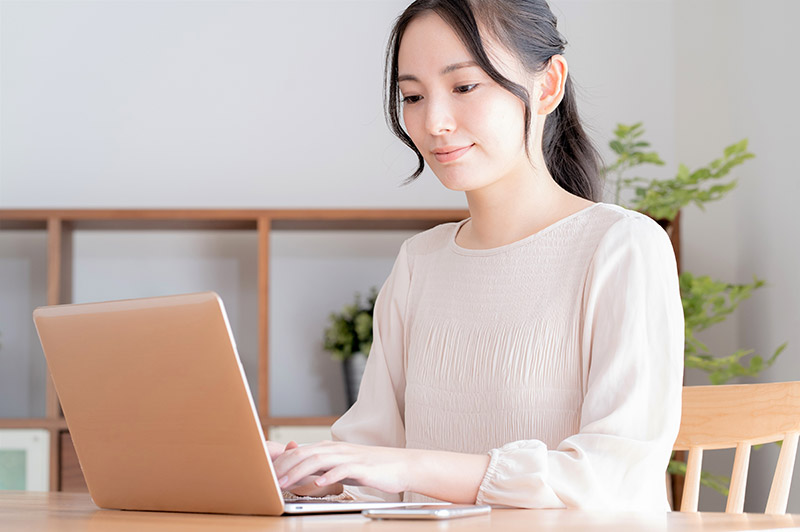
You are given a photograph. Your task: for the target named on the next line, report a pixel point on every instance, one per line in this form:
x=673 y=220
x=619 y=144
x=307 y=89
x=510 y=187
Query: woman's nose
x=439 y=118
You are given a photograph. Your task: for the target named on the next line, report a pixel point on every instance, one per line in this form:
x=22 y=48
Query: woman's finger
x=315 y=464
x=338 y=474
x=275 y=449
x=291 y=457
x=305 y=489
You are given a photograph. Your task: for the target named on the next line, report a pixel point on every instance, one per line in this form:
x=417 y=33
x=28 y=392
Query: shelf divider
x=264 y=228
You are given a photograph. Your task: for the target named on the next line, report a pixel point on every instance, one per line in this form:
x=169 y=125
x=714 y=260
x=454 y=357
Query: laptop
x=158 y=407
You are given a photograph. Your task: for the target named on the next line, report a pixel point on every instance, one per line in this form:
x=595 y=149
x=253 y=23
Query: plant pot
x=353 y=371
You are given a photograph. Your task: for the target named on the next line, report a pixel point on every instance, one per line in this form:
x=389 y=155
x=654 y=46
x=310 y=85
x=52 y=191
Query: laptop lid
x=158 y=407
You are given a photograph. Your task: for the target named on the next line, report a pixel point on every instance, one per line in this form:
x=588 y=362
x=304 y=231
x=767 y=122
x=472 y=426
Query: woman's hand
x=276 y=449
x=443 y=475
x=385 y=468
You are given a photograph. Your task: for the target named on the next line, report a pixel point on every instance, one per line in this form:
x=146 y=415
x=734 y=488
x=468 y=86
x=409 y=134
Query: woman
x=531 y=355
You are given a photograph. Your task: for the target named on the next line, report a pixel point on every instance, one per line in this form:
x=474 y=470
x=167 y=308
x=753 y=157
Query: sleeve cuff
x=516 y=477
x=488 y=478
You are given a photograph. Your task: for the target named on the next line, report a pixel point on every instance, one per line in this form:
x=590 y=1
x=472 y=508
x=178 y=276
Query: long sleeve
x=377 y=416
x=632 y=342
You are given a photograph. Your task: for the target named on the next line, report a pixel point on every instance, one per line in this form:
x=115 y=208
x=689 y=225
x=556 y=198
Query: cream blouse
x=559 y=355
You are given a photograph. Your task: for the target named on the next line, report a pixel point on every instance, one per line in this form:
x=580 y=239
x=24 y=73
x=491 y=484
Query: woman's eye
x=465 y=88
x=411 y=99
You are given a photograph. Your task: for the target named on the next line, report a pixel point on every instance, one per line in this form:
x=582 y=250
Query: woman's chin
x=456 y=179
x=457 y=184
x=455 y=187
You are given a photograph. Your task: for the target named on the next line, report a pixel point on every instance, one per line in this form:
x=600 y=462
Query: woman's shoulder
x=431 y=240
x=620 y=228
x=621 y=219
x=613 y=213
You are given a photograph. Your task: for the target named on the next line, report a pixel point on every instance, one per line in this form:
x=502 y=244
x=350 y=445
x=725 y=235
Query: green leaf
x=350 y=330
x=718 y=483
x=663 y=198
x=734 y=149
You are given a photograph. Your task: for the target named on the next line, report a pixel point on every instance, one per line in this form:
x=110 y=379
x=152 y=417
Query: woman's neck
x=515 y=207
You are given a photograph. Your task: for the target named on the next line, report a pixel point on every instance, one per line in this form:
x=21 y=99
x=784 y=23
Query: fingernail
x=283 y=480
x=321 y=481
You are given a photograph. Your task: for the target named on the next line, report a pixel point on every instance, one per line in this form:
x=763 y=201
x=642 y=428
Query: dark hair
x=528 y=29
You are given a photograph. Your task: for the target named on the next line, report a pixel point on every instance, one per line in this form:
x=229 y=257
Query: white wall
x=278 y=104
x=139 y=103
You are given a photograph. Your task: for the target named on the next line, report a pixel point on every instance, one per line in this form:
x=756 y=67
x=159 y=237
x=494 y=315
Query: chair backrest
x=740 y=416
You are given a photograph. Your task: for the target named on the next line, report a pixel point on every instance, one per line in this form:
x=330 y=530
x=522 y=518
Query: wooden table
x=29 y=511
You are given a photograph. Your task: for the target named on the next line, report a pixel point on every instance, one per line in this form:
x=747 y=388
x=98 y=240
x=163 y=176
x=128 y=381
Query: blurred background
x=233 y=104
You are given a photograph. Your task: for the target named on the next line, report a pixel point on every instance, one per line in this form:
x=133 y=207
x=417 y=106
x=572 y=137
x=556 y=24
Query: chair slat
x=691 y=487
x=779 y=492
x=741 y=463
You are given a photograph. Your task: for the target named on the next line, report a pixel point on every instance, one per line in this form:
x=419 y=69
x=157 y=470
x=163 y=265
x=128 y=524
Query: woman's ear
x=551 y=83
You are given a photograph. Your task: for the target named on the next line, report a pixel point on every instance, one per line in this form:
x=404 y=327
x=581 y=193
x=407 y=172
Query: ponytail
x=569 y=154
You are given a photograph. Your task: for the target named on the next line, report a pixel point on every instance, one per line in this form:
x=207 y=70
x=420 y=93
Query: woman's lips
x=447 y=154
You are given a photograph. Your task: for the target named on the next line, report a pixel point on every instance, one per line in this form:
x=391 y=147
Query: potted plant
x=349 y=338
x=705 y=301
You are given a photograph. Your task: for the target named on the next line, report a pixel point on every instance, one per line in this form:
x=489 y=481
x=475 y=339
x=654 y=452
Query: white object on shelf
x=25 y=459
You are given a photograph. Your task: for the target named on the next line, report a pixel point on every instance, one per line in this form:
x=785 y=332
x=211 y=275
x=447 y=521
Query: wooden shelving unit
x=60 y=224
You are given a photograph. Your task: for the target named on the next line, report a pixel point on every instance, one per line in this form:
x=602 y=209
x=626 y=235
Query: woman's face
x=468 y=128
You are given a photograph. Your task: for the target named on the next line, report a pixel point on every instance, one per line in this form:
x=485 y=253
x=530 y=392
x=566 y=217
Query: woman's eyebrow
x=445 y=70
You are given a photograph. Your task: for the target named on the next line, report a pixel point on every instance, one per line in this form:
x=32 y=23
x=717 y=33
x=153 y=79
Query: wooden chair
x=740 y=416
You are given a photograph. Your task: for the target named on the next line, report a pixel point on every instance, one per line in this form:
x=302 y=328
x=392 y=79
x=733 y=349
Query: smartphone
x=451 y=511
